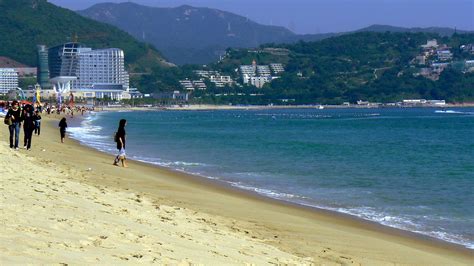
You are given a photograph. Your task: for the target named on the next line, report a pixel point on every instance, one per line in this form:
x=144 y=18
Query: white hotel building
x=101 y=73
x=8 y=80
x=88 y=73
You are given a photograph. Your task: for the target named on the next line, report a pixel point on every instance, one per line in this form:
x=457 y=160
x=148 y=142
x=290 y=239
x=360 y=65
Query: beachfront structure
x=63 y=59
x=42 y=73
x=172 y=97
x=90 y=73
x=8 y=80
x=103 y=68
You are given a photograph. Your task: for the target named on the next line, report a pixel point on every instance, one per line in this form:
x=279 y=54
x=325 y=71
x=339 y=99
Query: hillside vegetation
x=360 y=66
x=26 y=23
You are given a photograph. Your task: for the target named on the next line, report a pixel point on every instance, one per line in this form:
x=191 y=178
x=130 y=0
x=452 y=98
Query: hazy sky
x=320 y=16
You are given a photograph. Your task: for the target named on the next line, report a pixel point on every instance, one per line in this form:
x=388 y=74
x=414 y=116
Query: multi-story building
x=103 y=68
x=444 y=55
x=199 y=84
x=263 y=70
x=91 y=73
x=187 y=84
x=222 y=81
x=258 y=75
x=249 y=70
x=259 y=81
x=63 y=60
x=206 y=73
x=277 y=68
x=43 y=67
x=8 y=80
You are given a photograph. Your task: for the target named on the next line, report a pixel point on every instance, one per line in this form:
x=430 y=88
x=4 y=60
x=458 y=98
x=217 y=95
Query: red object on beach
x=71 y=100
x=25 y=102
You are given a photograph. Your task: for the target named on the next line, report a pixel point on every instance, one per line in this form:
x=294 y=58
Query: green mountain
x=360 y=66
x=193 y=35
x=187 y=34
x=26 y=23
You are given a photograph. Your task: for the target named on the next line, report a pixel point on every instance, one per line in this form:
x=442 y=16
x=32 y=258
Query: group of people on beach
x=30 y=116
x=31 y=120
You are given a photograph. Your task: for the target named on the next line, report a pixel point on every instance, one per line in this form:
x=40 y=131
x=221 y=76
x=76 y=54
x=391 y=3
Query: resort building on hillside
x=430 y=44
x=263 y=71
x=199 y=84
x=248 y=70
x=222 y=81
x=258 y=75
x=192 y=85
x=8 y=80
x=277 y=68
x=444 y=55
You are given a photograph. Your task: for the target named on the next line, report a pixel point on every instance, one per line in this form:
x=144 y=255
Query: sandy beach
x=66 y=203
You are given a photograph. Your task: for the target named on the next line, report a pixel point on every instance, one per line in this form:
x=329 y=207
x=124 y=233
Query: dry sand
x=65 y=203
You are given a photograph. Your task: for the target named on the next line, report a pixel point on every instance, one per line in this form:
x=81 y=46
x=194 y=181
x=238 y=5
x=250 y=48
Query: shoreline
x=282 y=224
x=229 y=188
x=210 y=107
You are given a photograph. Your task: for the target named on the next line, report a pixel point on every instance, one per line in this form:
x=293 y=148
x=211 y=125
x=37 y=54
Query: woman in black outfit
x=120 y=140
x=14 y=113
x=28 y=125
x=62 y=128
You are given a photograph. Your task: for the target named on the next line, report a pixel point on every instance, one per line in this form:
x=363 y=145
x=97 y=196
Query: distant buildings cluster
x=213 y=77
x=434 y=58
x=254 y=75
x=403 y=103
x=73 y=67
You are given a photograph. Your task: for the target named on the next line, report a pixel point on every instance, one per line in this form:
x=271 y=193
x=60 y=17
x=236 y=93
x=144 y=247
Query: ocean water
x=408 y=168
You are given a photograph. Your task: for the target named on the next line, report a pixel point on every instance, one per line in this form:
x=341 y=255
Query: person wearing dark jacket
x=14 y=113
x=37 y=118
x=28 y=125
x=62 y=128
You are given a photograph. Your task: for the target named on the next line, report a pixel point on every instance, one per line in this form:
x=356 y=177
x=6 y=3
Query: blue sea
x=407 y=168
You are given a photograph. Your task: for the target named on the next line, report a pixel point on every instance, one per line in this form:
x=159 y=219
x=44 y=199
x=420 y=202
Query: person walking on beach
x=14 y=119
x=28 y=125
x=37 y=118
x=120 y=140
x=62 y=128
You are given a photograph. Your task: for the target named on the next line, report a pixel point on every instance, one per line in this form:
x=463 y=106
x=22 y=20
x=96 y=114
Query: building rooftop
x=6 y=62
